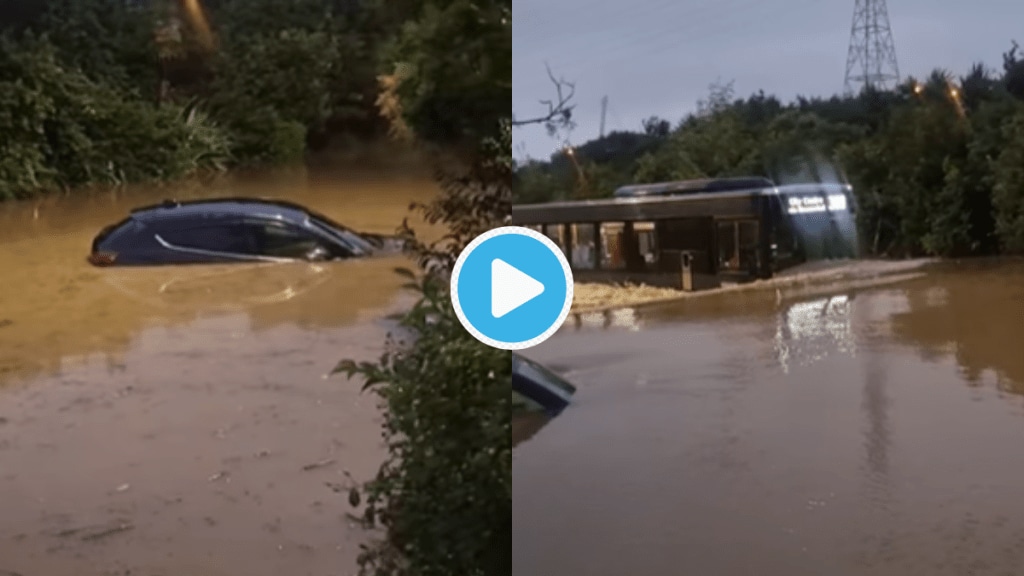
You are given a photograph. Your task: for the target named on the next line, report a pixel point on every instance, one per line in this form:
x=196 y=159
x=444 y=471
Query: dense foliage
x=937 y=165
x=62 y=128
x=108 y=91
x=444 y=494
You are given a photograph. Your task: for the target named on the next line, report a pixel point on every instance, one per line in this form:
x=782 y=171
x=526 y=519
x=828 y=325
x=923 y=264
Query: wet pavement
x=872 y=432
x=176 y=420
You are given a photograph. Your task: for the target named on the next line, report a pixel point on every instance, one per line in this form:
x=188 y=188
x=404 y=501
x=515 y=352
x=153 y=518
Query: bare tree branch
x=559 y=110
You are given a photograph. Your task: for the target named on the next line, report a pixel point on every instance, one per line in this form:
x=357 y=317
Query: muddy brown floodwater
x=875 y=432
x=175 y=421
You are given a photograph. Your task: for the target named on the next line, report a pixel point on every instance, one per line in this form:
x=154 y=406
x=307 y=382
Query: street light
x=581 y=176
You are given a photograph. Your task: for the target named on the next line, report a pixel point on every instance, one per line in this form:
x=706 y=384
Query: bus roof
x=732 y=203
x=737 y=204
x=705 y=185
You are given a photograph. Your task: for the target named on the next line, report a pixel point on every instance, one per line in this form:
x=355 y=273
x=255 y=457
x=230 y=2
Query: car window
x=534 y=372
x=521 y=404
x=226 y=238
x=355 y=242
x=284 y=241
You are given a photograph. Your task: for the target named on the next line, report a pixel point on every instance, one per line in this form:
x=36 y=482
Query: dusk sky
x=658 y=57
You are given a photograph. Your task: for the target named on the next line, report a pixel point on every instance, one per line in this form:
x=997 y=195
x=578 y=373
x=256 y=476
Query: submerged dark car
x=541 y=388
x=538 y=394
x=230 y=230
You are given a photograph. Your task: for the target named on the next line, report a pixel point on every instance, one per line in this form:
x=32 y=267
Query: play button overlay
x=512 y=288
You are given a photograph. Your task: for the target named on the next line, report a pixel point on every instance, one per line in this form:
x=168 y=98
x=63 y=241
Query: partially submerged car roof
x=233 y=206
x=259 y=207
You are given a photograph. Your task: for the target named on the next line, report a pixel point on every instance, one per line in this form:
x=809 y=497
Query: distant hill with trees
x=937 y=164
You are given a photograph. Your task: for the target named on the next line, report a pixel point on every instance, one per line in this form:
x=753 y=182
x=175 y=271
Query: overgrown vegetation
x=444 y=495
x=107 y=91
x=936 y=164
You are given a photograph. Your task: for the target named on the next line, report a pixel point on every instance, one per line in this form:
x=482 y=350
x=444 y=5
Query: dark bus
x=699 y=233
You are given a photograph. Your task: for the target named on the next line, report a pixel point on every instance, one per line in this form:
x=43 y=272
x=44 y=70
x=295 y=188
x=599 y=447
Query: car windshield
x=358 y=244
x=541 y=375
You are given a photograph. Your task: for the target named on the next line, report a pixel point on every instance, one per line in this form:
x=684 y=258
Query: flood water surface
x=176 y=420
x=875 y=432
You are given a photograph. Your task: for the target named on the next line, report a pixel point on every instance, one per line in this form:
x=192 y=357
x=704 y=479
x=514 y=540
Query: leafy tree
x=541 y=182
x=657 y=127
x=1013 y=72
x=111 y=41
x=259 y=82
x=671 y=162
x=453 y=80
x=799 y=147
x=444 y=494
x=64 y=129
x=932 y=161
x=1008 y=193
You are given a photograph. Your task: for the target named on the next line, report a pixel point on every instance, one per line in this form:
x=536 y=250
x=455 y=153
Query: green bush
x=1008 y=196
x=260 y=136
x=63 y=129
x=307 y=60
x=110 y=41
x=444 y=495
x=94 y=91
x=456 y=75
x=287 y=71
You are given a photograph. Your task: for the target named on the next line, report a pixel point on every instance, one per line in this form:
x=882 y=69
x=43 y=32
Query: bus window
x=646 y=242
x=748 y=234
x=557 y=234
x=738 y=245
x=613 y=256
x=584 y=246
x=728 y=258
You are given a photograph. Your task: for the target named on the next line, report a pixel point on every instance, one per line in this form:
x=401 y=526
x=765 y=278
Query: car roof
x=222 y=207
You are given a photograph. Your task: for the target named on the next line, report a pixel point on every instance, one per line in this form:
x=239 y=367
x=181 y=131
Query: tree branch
x=559 y=110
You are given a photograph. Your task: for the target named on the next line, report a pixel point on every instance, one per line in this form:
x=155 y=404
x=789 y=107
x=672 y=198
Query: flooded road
x=876 y=432
x=176 y=420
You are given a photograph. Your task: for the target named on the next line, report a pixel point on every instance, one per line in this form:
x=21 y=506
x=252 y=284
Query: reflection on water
x=964 y=310
x=877 y=433
x=872 y=432
x=622 y=318
x=809 y=331
x=975 y=315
